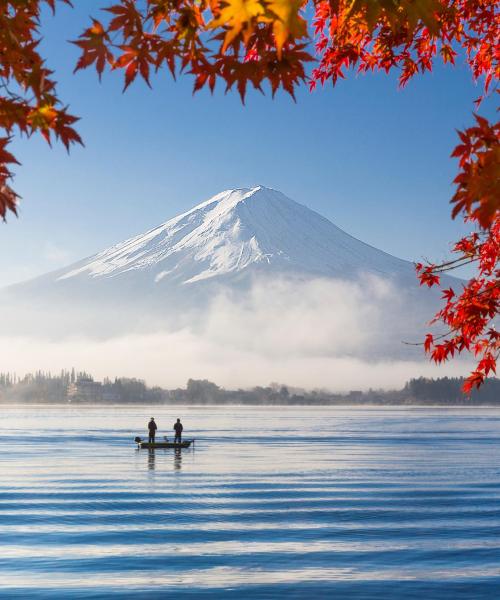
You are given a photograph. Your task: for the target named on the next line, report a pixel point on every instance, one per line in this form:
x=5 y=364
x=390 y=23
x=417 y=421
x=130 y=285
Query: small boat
x=164 y=444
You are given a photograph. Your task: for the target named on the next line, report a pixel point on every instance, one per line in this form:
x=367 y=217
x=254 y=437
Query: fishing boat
x=164 y=444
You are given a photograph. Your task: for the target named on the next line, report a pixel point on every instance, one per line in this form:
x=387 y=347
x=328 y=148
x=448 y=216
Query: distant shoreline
x=80 y=389
x=252 y=405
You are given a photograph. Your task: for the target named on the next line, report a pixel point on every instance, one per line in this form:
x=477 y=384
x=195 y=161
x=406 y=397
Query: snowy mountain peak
x=228 y=200
x=237 y=229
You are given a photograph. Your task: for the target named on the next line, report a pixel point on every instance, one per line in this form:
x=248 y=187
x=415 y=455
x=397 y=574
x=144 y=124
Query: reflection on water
x=151 y=459
x=276 y=503
x=178 y=459
x=165 y=455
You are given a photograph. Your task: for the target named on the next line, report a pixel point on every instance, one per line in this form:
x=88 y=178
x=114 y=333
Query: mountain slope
x=232 y=232
x=231 y=250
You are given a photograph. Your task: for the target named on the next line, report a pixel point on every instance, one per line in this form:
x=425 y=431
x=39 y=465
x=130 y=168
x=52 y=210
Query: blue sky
x=372 y=158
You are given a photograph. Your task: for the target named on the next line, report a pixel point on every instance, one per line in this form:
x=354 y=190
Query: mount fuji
x=236 y=231
x=172 y=273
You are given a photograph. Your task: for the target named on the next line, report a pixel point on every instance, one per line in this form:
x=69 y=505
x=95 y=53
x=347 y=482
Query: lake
x=358 y=503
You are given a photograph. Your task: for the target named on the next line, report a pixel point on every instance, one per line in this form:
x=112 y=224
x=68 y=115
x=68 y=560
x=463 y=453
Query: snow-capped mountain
x=235 y=231
x=246 y=287
x=171 y=274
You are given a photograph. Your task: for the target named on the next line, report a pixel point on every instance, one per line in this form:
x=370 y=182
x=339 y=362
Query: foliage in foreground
x=469 y=315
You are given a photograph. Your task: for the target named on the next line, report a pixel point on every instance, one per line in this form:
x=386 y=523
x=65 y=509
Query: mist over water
x=271 y=503
x=316 y=333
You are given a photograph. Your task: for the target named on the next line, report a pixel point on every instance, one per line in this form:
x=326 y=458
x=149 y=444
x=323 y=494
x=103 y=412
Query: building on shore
x=85 y=389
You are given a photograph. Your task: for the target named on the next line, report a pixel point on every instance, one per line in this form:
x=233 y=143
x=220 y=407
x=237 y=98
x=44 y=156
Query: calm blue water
x=272 y=503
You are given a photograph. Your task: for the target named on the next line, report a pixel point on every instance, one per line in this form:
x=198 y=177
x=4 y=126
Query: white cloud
x=169 y=359
x=315 y=334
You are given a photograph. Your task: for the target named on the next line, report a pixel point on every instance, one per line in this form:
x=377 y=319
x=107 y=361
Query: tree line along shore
x=79 y=387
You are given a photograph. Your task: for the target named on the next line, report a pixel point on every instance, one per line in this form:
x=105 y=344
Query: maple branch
x=452 y=264
x=4 y=84
x=454 y=330
x=440 y=336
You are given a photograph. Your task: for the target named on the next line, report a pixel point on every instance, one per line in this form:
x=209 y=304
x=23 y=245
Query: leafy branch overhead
x=238 y=42
x=216 y=39
x=274 y=44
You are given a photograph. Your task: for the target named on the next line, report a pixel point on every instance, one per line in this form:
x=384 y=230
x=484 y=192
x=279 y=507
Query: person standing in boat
x=152 y=427
x=178 y=431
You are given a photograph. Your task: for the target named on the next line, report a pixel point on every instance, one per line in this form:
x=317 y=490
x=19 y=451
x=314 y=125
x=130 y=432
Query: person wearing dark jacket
x=178 y=431
x=152 y=430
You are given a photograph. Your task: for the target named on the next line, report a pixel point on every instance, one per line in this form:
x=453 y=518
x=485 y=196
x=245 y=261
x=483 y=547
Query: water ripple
x=359 y=503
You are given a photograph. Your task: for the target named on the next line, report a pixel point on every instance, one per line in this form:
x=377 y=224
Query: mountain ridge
x=246 y=250
x=232 y=231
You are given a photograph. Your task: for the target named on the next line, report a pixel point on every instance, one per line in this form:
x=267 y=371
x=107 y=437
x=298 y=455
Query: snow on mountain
x=245 y=250
x=235 y=231
x=248 y=285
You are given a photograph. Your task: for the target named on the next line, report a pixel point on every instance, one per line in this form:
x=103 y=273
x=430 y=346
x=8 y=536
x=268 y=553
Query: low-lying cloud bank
x=317 y=334
x=170 y=360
